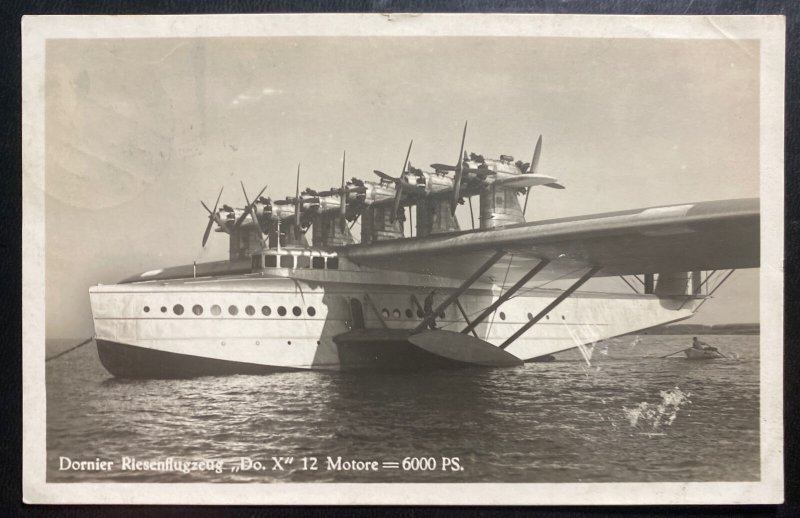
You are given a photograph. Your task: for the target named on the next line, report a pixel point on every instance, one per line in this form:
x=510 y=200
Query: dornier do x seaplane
x=442 y=297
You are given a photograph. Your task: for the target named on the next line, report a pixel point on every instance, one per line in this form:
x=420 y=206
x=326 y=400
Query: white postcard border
x=770 y=30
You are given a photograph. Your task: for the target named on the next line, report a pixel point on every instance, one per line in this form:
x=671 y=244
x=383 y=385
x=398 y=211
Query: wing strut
x=461 y=289
x=466 y=318
x=507 y=295
x=718 y=286
x=561 y=298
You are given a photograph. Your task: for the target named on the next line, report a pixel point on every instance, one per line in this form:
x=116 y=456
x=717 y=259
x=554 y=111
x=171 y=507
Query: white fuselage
x=280 y=318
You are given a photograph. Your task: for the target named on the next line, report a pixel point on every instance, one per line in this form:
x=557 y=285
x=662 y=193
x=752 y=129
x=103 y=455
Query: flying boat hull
x=257 y=324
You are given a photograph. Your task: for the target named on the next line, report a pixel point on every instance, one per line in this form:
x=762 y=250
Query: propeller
x=399 y=183
x=211 y=216
x=537 y=152
x=459 y=173
x=249 y=208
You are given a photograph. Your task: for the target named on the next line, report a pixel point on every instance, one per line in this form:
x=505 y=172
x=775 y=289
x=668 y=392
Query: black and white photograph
x=403 y=259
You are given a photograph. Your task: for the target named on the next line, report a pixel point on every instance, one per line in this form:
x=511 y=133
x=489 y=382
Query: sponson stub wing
x=710 y=235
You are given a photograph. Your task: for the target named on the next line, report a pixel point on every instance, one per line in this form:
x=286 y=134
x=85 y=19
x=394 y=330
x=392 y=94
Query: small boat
x=701 y=354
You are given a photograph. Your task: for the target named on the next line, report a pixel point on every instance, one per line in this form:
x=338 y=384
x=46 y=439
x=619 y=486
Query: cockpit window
x=333 y=263
x=287 y=261
x=270 y=261
x=318 y=263
x=303 y=261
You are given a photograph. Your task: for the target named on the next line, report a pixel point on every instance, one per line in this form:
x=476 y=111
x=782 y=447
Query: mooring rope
x=62 y=353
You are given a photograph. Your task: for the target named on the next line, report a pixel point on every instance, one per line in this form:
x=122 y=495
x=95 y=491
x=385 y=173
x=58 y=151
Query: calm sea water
x=628 y=417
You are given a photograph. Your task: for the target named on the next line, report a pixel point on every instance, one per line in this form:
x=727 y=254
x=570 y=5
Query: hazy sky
x=138 y=131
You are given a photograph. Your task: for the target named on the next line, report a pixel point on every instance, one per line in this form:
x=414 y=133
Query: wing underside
x=697 y=236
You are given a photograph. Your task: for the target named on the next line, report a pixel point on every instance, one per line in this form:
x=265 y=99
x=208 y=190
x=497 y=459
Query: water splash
x=585 y=336
x=662 y=414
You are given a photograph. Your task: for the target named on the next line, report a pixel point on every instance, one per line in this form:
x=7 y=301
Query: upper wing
x=696 y=236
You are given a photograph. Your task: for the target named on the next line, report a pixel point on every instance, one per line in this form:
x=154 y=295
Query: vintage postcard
x=403 y=259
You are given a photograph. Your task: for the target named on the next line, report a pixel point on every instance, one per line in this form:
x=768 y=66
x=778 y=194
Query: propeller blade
x=255 y=220
x=211 y=216
x=208 y=230
x=297 y=202
x=250 y=208
x=443 y=167
x=254 y=214
x=343 y=199
x=246 y=210
x=355 y=220
x=554 y=185
x=536 y=154
x=259 y=194
x=399 y=184
x=408 y=153
x=525 y=207
x=459 y=173
x=398 y=193
x=216 y=203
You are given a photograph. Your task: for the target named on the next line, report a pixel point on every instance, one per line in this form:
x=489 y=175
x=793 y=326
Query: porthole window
x=197 y=309
x=563 y=317
x=250 y=310
x=530 y=317
x=547 y=317
x=287 y=261
x=502 y=316
x=177 y=309
x=147 y=309
x=266 y=311
x=312 y=312
x=296 y=311
x=441 y=314
x=409 y=313
x=396 y=313
x=163 y=309
x=216 y=310
x=282 y=311
x=233 y=310
x=385 y=313
x=420 y=313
